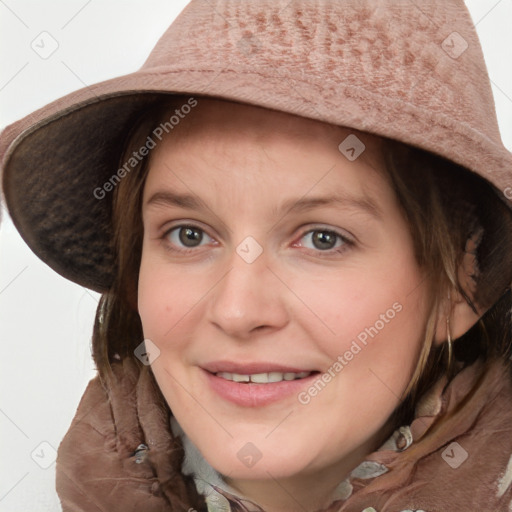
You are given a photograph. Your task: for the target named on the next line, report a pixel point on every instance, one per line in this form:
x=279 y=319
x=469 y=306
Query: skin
x=296 y=304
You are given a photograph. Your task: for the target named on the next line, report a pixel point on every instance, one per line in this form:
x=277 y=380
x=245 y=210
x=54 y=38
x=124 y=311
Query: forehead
x=214 y=120
x=218 y=139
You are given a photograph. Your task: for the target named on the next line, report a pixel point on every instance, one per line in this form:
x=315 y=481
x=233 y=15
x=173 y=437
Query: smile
x=263 y=378
x=256 y=384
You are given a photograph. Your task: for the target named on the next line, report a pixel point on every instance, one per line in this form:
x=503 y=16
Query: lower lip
x=256 y=395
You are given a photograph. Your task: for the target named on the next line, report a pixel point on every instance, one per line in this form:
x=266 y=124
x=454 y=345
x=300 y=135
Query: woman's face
x=270 y=254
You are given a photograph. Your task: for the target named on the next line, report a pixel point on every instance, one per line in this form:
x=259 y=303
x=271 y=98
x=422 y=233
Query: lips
x=252 y=368
x=256 y=384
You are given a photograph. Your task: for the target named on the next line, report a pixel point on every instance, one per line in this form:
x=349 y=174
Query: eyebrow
x=168 y=198
x=365 y=204
x=303 y=204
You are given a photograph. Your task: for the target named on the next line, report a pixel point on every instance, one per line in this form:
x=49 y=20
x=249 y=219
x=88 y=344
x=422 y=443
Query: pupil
x=324 y=239
x=188 y=236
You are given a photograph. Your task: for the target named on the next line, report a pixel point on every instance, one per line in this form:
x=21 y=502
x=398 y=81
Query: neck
x=308 y=491
x=288 y=494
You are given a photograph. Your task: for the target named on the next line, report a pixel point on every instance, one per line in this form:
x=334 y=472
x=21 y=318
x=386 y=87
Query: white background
x=46 y=321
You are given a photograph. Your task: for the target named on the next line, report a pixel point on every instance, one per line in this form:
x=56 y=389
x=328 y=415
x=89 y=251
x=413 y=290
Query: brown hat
x=389 y=67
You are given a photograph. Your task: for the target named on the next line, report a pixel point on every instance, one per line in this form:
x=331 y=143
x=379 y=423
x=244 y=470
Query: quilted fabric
x=120 y=452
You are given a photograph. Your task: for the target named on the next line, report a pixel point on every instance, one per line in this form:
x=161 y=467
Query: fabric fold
x=125 y=451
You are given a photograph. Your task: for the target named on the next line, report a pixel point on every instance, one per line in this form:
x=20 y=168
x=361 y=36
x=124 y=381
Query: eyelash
x=169 y=247
x=347 y=243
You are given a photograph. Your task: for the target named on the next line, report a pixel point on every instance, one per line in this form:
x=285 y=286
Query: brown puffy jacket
x=101 y=465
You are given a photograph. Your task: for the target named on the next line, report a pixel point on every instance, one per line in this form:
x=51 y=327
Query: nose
x=248 y=299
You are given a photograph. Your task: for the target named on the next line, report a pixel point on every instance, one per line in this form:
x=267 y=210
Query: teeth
x=263 y=378
x=275 y=376
x=240 y=378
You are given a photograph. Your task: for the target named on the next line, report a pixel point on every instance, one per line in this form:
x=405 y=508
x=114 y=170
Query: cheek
x=165 y=297
x=153 y=303
x=165 y=300
x=373 y=319
x=371 y=360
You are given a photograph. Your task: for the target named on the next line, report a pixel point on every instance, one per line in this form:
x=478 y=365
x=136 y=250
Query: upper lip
x=251 y=368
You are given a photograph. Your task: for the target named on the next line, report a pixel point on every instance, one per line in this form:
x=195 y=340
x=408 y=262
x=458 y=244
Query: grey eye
x=323 y=239
x=190 y=237
x=187 y=236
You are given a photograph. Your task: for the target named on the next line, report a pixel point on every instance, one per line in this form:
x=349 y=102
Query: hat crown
x=427 y=56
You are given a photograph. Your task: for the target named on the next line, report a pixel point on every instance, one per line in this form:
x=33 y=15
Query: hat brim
x=55 y=158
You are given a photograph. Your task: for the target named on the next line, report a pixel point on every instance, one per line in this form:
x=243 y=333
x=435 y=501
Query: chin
x=258 y=461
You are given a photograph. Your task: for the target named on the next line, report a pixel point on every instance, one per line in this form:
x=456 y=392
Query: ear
x=454 y=308
x=460 y=316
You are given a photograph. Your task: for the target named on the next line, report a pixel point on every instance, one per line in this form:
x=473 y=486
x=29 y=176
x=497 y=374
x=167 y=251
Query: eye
x=187 y=237
x=325 y=240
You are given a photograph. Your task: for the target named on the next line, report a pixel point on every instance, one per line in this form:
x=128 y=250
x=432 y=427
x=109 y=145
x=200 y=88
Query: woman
x=299 y=354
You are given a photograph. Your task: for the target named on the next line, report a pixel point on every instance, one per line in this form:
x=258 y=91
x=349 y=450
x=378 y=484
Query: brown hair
x=445 y=205
x=453 y=213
